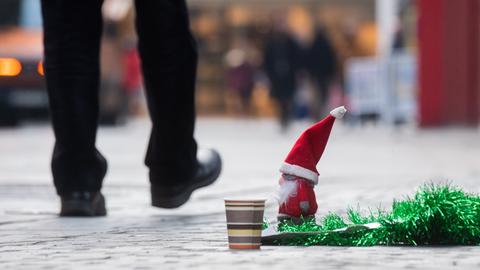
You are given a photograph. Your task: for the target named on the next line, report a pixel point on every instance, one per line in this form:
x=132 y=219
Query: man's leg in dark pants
x=169 y=62
x=72 y=31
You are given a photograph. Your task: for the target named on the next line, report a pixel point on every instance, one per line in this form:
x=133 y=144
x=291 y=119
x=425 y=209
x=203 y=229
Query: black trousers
x=72 y=32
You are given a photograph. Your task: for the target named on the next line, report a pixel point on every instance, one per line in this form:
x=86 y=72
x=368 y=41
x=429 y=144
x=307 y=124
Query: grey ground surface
x=368 y=167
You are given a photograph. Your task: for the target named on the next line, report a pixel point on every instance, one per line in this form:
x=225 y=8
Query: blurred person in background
x=240 y=75
x=132 y=80
x=398 y=43
x=321 y=65
x=114 y=97
x=281 y=53
x=72 y=33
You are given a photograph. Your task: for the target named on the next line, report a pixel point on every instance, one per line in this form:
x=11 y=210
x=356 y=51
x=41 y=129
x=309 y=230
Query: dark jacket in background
x=321 y=61
x=280 y=64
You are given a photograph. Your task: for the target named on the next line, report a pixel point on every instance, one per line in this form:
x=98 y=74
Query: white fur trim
x=296 y=170
x=338 y=112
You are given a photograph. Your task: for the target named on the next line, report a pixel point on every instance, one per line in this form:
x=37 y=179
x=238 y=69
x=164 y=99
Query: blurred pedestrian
x=72 y=32
x=280 y=63
x=240 y=77
x=321 y=64
x=132 y=80
x=398 y=43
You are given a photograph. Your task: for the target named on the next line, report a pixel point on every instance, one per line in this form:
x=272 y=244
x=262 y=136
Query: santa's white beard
x=286 y=189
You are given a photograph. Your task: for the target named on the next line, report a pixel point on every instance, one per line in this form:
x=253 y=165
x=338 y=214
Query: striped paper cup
x=244 y=223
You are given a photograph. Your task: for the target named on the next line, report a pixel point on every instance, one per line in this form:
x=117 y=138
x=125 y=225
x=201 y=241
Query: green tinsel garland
x=435 y=215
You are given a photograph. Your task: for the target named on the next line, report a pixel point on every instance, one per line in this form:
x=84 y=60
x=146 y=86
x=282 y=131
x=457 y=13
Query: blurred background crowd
x=392 y=62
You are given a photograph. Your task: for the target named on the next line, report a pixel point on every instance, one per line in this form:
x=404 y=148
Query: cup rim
x=256 y=200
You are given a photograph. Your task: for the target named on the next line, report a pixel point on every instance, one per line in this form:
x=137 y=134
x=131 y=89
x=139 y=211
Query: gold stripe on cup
x=238 y=233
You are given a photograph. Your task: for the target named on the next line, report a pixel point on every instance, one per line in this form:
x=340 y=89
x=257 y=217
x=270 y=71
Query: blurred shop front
x=226 y=31
x=372 y=83
x=224 y=27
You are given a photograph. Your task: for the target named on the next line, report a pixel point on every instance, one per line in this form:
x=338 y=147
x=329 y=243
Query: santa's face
x=281 y=180
x=289 y=177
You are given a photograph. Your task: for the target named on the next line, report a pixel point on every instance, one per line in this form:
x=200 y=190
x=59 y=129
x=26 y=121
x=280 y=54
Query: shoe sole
x=181 y=198
x=84 y=209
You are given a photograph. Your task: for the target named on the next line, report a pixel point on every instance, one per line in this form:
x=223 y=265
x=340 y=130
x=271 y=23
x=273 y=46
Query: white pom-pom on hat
x=338 y=112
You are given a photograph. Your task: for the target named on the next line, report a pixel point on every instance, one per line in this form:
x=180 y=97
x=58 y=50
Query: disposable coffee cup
x=244 y=223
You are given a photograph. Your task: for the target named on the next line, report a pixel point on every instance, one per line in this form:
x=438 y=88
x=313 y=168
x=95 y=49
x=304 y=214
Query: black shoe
x=83 y=204
x=209 y=168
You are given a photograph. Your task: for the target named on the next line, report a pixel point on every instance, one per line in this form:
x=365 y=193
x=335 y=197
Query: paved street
x=367 y=167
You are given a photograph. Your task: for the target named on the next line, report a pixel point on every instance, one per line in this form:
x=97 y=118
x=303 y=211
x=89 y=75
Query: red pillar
x=474 y=64
x=449 y=62
x=430 y=62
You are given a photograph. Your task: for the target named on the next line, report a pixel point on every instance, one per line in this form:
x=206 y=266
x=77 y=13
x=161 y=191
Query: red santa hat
x=308 y=149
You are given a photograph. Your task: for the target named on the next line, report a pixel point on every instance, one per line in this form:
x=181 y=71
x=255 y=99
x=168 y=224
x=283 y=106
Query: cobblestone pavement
x=367 y=167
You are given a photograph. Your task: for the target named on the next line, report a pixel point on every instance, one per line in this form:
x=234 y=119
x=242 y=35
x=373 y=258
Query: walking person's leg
x=169 y=62
x=286 y=107
x=72 y=31
x=319 y=102
x=324 y=87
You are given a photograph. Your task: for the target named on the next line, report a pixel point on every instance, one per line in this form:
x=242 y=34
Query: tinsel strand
x=435 y=215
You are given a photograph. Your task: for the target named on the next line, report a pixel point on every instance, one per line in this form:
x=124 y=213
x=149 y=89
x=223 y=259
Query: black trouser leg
x=169 y=61
x=72 y=31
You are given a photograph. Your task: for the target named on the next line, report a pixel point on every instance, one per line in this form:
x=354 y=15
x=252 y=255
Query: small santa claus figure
x=299 y=172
